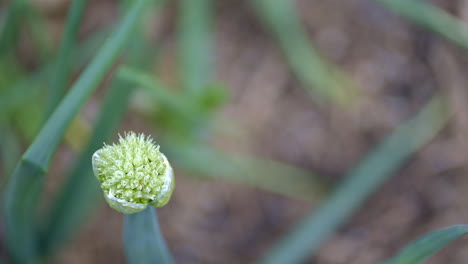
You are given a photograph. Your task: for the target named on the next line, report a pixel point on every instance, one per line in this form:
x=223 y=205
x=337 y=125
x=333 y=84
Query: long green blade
x=320 y=78
x=308 y=235
x=9 y=32
x=179 y=111
x=10 y=153
x=83 y=87
x=432 y=18
x=153 y=87
x=426 y=246
x=28 y=88
x=23 y=192
x=263 y=174
x=143 y=241
x=21 y=197
x=78 y=196
x=62 y=69
x=195 y=44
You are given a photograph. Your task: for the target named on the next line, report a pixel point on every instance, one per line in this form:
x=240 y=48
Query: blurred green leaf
x=13 y=98
x=432 y=18
x=309 y=234
x=10 y=30
x=11 y=72
x=27 y=89
x=77 y=198
x=426 y=246
x=214 y=96
x=82 y=88
x=10 y=153
x=21 y=194
x=33 y=113
x=24 y=190
x=41 y=41
x=263 y=174
x=176 y=114
x=183 y=113
x=320 y=78
x=154 y=88
x=143 y=241
x=195 y=44
x=62 y=67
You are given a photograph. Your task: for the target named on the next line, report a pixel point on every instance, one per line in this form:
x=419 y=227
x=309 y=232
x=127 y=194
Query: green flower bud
x=133 y=174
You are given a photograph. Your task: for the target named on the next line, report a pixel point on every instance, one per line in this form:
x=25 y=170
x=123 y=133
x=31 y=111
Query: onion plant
x=135 y=176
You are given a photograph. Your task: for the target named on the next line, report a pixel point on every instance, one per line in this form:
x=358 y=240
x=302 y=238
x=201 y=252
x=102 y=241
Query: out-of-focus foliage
x=183 y=115
x=428 y=245
x=24 y=189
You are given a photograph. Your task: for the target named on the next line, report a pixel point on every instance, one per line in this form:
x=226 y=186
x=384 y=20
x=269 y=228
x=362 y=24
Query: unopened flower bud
x=133 y=173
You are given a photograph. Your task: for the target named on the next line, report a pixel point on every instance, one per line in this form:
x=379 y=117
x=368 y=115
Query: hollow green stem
x=143 y=241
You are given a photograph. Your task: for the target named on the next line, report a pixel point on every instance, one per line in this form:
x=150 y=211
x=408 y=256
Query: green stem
x=143 y=241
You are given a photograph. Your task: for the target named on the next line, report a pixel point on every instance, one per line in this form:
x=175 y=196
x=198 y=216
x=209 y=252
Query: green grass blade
x=21 y=198
x=78 y=196
x=62 y=69
x=23 y=191
x=308 y=235
x=320 y=78
x=55 y=127
x=180 y=115
x=10 y=30
x=426 y=246
x=153 y=87
x=143 y=241
x=195 y=44
x=432 y=18
x=263 y=174
x=10 y=153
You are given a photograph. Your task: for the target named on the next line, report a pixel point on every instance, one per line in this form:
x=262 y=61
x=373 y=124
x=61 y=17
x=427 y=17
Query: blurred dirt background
x=397 y=66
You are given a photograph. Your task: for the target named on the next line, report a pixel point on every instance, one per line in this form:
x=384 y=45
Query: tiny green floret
x=133 y=173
